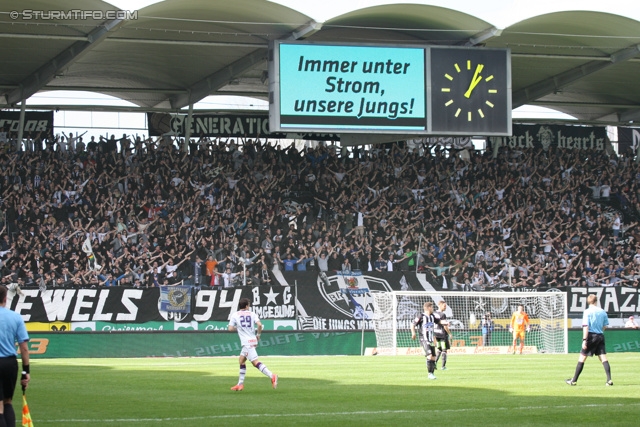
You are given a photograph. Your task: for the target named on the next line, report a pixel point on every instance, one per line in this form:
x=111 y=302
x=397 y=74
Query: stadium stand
x=143 y=213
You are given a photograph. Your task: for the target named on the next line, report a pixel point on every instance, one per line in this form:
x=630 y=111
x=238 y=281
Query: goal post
x=467 y=313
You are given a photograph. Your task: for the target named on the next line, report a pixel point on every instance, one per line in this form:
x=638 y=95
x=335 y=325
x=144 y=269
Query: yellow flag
x=26 y=415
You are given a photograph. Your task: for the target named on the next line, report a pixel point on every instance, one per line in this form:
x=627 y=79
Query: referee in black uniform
x=12 y=330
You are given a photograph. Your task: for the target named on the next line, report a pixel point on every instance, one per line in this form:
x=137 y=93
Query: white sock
x=264 y=370
x=243 y=372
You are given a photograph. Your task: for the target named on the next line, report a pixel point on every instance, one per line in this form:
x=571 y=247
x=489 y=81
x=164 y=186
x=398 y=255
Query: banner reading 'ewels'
x=336 y=301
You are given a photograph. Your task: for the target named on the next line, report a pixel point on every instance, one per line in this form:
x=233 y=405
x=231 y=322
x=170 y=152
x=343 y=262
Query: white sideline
x=342 y=413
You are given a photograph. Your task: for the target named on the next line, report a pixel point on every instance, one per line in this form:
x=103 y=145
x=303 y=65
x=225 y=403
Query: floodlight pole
x=244 y=272
x=418 y=254
x=295 y=290
x=23 y=105
x=362 y=338
x=187 y=130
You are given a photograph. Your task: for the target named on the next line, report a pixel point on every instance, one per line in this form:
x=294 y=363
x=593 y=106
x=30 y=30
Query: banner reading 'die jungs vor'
x=333 y=302
x=225 y=126
x=553 y=136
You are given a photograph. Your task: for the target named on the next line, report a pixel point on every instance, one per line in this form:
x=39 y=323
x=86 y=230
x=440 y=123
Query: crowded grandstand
x=232 y=211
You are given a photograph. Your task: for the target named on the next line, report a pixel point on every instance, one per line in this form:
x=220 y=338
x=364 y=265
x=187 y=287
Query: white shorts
x=249 y=351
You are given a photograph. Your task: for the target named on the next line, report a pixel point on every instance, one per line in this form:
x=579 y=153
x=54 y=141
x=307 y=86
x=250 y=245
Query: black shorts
x=443 y=343
x=595 y=345
x=429 y=350
x=8 y=377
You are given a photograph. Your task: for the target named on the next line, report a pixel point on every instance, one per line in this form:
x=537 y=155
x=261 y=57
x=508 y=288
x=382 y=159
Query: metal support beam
x=566 y=57
x=306 y=31
x=135 y=40
x=43 y=37
x=557 y=82
x=187 y=129
x=107 y=89
x=222 y=77
x=103 y=89
x=625 y=54
x=630 y=116
x=553 y=104
x=218 y=79
x=188 y=43
x=34 y=82
x=483 y=36
x=135 y=109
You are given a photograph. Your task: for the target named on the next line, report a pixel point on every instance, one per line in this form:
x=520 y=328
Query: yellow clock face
x=479 y=94
x=470 y=91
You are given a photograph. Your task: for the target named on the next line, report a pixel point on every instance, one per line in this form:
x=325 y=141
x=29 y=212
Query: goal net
x=467 y=313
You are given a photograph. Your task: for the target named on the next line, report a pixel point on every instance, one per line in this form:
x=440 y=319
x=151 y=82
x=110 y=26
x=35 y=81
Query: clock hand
x=474 y=81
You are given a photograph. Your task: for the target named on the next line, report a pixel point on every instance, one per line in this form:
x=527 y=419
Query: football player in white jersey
x=245 y=323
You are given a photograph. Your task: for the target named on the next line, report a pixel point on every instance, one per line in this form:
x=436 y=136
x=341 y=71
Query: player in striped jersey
x=426 y=323
x=442 y=333
x=245 y=322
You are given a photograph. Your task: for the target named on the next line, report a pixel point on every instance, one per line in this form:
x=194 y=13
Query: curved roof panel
x=402 y=23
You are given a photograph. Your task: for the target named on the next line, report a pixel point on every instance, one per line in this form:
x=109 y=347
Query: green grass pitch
x=523 y=390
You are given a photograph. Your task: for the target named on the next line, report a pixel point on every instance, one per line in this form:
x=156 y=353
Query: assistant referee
x=12 y=330
x=594 y=320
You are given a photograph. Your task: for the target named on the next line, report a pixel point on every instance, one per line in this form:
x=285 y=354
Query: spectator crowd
x=224 y=212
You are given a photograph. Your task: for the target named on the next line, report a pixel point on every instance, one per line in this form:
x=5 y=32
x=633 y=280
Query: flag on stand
x=87 y=249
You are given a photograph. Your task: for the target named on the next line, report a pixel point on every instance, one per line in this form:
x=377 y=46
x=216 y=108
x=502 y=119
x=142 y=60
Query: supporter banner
x=557 y=136
x=224 y=125
x=83 y=305
x=126 y=305
x=268 y=302
x=34 y=121
x=175 y=299
x=344 y=301
x=616 y=301
x=628 y=140
x=322 y=302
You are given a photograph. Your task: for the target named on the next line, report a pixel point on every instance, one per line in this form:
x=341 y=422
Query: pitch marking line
x=322 y=414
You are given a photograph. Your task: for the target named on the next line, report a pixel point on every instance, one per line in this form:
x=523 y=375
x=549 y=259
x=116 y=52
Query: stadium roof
x=177 y=52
